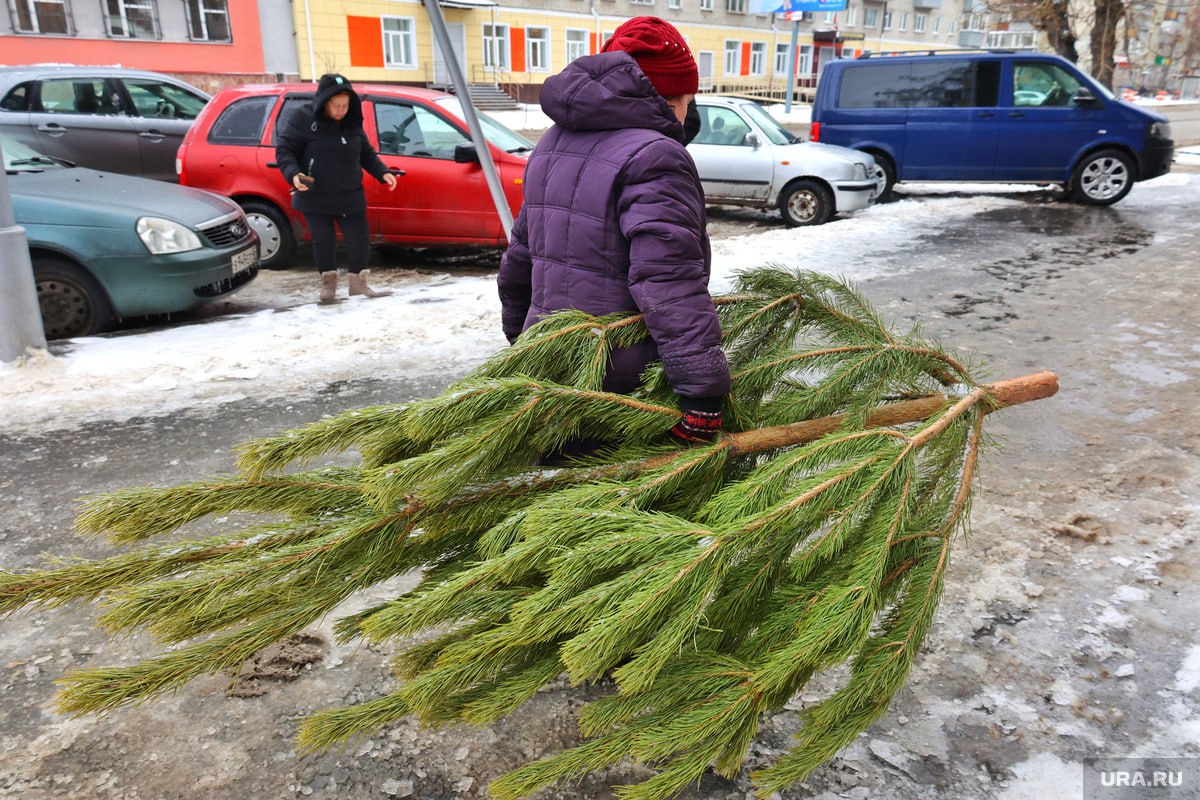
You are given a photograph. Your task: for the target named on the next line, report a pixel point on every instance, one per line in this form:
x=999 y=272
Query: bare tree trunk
x=1053 y=18
x=1109 y=14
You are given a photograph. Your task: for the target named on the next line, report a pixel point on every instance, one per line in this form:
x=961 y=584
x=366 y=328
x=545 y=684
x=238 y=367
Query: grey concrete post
x=20 y=317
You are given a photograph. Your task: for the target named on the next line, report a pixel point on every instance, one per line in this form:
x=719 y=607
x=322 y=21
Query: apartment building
x=208 y=43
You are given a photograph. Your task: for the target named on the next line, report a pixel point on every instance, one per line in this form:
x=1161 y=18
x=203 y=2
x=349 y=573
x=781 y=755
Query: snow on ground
x=431 y=325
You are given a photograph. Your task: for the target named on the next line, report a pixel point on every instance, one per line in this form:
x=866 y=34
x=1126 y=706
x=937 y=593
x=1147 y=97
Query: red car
x=441 y=198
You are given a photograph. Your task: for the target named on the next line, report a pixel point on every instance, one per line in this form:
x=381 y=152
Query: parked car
x=120 y=120
x=441 y=198
x=745 y=157
x=106 y=247
x=991 y=116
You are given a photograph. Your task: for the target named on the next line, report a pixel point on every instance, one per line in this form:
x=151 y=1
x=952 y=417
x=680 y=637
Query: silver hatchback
x=746 y=158
x=109 y=118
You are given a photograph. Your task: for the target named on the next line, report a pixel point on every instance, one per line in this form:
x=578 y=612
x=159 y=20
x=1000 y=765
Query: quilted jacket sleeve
x=515 y=280
x=661 y=212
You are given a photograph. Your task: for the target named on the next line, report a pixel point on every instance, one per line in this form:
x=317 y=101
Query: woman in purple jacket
x=614 y=217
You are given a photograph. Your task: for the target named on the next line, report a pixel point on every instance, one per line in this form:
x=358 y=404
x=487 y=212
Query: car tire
x=71 y=301
x=885 y=195
x=806 y=202
x=276 y=240
x=1102 y=178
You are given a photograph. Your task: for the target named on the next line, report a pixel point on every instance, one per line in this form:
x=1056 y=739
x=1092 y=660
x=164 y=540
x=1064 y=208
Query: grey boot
x=358 y=285
x=329 y=281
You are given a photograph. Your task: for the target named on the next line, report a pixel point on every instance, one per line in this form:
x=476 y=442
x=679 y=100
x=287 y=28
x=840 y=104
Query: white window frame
x=888 y=19
x=30 y=8
x=405 y=40
x=804 y=59
x=641 y=2
x=203 y=13
x=496 y=47
x=533 y=43
x=919 y=22
x=121 y=15
x=781 y=57
x=576 y=48
x=851 y=16
x=706 y=5
x=735 y=6
x=870 y=17
x=937 y=24
x=903 y=21
x=758 y=58
x=734 y=52
x=675 y=4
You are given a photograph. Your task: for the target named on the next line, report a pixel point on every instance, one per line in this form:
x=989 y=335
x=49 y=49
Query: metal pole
x=791 y=66
x=438 y=22
x=20 y=317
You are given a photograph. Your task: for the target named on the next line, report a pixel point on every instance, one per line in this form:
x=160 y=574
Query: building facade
x=209 y=43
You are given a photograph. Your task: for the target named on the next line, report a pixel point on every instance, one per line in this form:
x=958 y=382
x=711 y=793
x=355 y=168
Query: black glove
x=701 y=420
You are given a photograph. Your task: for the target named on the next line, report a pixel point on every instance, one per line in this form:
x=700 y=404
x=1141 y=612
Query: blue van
x=990 y=116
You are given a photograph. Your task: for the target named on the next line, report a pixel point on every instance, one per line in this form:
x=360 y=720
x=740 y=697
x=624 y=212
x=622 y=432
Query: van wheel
x=276 y=241
x=71 y=302
x=1102 y=178
x=806 y=202
x=889 y=179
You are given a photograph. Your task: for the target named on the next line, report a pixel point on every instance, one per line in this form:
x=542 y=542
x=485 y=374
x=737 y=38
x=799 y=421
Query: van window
x=929 y=84
x=1043 y=85
x=242 y=122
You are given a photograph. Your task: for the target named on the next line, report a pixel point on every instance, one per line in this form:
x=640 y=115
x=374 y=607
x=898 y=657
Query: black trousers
x=324 y=240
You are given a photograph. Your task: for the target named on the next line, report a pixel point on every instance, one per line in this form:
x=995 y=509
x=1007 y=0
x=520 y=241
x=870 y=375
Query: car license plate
x=245 y=260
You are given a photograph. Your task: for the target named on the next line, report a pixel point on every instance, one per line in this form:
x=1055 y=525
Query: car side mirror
x=1083 y=97
x=752 y=139
x=465 y=153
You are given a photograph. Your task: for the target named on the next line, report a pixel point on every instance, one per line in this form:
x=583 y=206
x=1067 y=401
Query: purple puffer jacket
x=613 y=221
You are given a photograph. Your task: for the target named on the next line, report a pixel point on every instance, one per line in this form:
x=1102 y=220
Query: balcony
x=923 y=4
x=971 y=39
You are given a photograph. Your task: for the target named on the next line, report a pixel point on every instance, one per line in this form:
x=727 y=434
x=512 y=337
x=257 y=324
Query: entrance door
x=458 y=41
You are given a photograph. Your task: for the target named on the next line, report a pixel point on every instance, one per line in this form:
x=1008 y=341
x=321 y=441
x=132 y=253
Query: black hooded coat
x=333 y=153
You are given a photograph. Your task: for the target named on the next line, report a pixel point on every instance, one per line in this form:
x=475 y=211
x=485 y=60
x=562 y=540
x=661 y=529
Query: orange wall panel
x=594 y=49
x=745 y=58
x=366 y=41
x=244 y=55
x=517 y=35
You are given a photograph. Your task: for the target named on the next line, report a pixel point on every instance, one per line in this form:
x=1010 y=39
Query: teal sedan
x=108 y=247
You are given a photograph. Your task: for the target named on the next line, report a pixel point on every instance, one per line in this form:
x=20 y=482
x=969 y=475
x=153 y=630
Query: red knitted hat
x=659 y=49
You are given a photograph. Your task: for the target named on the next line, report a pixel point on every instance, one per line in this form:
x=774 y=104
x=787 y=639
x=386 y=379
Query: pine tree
x=709 y=583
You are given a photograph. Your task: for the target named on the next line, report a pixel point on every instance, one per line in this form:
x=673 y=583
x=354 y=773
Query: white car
x=746 y=158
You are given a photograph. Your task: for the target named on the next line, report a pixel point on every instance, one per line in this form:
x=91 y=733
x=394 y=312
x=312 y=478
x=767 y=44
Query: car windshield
x=20 y=158
x=507 y=140
x=769 y=125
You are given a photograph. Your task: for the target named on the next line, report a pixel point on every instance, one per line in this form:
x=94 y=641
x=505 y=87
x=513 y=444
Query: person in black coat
x=322 y=152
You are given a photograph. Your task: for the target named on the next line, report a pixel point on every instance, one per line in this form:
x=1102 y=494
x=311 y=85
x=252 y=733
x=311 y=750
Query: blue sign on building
x=784 y=6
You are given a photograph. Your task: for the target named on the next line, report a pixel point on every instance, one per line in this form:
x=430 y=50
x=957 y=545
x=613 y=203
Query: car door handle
x=986 y=114
x=154 y=136
x=273 y=165
x=1016 y=113
x=396 y=171
x=53 y=128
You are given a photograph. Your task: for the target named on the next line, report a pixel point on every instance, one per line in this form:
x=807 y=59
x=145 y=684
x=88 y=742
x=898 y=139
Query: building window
x=919 y=23
x=887 y=20
x=735 y=6
x=537 y=49
x=577 y=43
x=208 y=20
x=851 y=17
x=706 y=5
x=953 y=26
x=870 y=17
x=758 y=58
x=495 y=46
x=673 y=4
x=733 y=57
x=132 y=19
x=399 y=43
x=937 y=24
x=903 y=20
x=642 y=2
x=40 y=16
x=781 y=56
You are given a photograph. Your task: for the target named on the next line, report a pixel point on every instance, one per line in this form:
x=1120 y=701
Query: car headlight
x=1160 y=130
x=860 y=172
x=166 y=236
